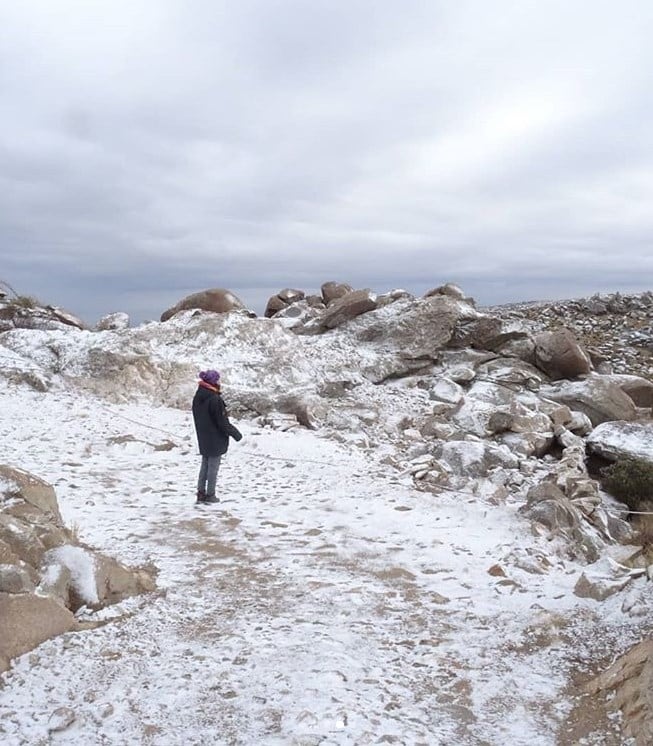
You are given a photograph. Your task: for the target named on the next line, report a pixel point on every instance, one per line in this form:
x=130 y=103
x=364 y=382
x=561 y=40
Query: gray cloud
x=149 y=149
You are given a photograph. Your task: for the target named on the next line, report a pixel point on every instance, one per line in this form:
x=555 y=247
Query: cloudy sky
x=153 y=148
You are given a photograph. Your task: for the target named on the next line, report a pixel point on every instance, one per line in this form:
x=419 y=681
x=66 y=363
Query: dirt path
x=317 y=603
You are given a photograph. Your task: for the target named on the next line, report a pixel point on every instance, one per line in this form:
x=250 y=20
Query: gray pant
x=208 y=475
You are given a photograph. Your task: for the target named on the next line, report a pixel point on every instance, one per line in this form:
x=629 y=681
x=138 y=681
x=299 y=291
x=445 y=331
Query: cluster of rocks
x=616 y=329
x=46 y=574
x=505 y=403
x=27 y=313
x=337 y=303
x=19 y=313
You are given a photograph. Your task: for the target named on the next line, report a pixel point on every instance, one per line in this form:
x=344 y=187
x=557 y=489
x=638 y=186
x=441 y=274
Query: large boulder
x=616 y=440
x=282 y=300
x=216 y=300
x=628 y=687
x=348 y=307
x=596 y=396
x=333 y=290
x=427 y=326
x=559 y=355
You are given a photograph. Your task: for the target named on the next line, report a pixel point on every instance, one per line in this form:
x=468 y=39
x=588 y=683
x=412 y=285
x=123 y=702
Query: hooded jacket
x=212 y=423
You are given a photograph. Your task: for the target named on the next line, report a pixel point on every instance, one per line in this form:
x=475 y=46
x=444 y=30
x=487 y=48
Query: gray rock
x=473 y=459
x=615 y=440
x=61 y=719
x=596 y=396
x=547 y=505
x=428 y=326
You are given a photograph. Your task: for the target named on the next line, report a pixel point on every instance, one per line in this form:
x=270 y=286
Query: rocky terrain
x=616 y=328
x=428 y=405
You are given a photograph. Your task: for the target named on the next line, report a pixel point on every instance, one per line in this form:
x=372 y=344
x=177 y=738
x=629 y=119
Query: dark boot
x=211 y=499
x=201 y=496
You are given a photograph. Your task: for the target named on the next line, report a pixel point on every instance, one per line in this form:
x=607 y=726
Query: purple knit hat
x=211 y=377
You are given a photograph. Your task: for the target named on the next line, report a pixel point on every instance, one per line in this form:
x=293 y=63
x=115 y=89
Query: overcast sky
x=153 y=148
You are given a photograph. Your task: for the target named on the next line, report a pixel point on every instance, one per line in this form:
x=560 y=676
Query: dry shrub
x=631 y=481
x=24 y=301
x=644 y=532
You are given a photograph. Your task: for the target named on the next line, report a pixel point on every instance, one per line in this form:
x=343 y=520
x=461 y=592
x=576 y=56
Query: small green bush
x=631 y=481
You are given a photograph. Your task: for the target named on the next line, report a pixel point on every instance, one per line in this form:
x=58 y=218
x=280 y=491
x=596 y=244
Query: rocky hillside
x=507 y=408
x=616 y=329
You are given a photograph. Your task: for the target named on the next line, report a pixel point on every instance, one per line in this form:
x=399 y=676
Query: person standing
x=213 y=432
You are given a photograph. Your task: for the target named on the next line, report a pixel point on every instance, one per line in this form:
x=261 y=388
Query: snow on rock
x=604 y=578
x=81 y=567
x=113 y=322
x=614 y=440
x=597 y=396
x=474 y=458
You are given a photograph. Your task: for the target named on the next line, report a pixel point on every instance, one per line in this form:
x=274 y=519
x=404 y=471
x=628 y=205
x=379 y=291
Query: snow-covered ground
x=324 y=600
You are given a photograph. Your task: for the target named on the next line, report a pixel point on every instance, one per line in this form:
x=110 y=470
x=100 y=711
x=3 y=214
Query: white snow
x=82 y=570
x=631 y=439
x=324 y=600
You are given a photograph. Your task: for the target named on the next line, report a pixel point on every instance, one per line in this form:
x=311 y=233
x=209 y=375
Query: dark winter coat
x=212 y=423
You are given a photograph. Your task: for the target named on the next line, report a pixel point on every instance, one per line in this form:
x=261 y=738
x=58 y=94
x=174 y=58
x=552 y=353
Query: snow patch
x=81 y=566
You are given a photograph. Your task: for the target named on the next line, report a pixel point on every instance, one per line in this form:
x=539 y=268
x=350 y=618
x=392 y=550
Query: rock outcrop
x=628 y=683
x=26 y=313
x=46 y=574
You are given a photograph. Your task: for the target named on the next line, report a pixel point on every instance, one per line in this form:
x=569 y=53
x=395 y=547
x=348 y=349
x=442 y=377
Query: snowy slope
x=325 y=599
